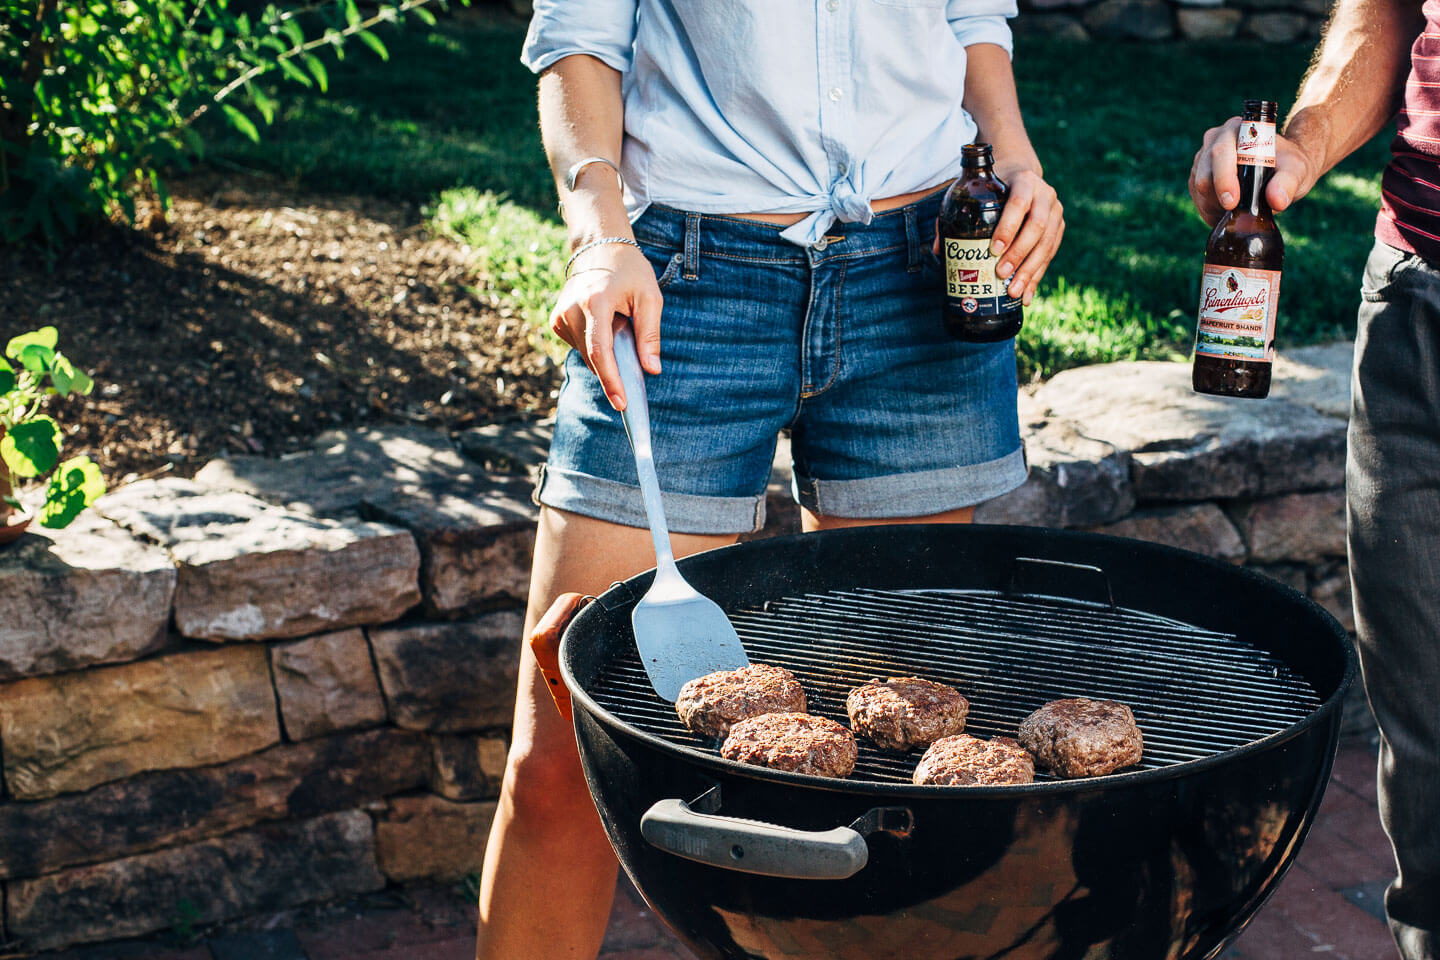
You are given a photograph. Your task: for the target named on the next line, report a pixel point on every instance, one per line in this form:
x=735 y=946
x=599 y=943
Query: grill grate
x=1194 y=692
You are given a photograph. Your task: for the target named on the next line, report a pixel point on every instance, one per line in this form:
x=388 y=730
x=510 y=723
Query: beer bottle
x=978 y=306
x=1240 y=288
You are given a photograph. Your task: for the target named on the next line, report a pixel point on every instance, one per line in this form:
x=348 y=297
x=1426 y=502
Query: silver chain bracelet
x=596 y=243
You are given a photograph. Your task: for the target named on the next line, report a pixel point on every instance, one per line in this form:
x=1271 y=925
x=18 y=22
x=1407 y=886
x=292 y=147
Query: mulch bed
x=261 y=316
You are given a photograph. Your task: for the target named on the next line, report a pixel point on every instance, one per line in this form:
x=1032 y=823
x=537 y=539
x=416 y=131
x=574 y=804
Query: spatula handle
x=637 y=425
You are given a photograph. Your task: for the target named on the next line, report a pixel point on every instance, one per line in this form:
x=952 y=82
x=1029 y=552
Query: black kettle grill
x=1235 y=680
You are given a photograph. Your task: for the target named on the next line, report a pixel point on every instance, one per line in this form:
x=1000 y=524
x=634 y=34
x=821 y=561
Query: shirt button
x=836 y=93
x=832 y=5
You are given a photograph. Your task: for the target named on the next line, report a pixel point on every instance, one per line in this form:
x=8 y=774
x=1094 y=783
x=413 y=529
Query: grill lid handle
x=753 y=846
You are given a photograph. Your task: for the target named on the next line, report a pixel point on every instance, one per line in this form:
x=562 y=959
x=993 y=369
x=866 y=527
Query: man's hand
x=1028 y=233
x=1215 y=180
x=608 y=280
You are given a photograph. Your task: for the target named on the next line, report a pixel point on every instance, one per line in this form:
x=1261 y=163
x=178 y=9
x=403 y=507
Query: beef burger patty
x=906 y=712
x=964 y=760
x=1082 y=738
x=797 y=742
x=711 y=704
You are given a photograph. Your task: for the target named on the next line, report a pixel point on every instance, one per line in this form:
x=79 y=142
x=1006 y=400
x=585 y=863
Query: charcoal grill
x=1236 y=682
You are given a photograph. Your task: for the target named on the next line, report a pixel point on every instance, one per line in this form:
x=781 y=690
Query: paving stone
x=428 y=837
x=1293 y=575
x=266 y=945
x=326 y=683
x=1275 y=27
x=248 y=570
x=1130 y=20
x=1369 y=897
x=515 y=446
x=266 y=868
x=1202 y=528
x=76 y=730
x=345 y=467
x=1296 y=527
x=90 y=593
x=477 y=542
x=171 y=807
x=1318 y=377
x=1333 y=593
x=1187 y=446
x=450 y=677
x=467 y=767
x=1216 y=23
x=135 y=950
x=1074 y=480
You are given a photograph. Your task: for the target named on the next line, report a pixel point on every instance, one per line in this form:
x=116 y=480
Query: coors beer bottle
x=977 y=304
x=1235 y=335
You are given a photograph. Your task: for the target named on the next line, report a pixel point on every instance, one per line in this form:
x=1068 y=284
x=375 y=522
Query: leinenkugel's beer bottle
x=1240 y=289
x=977 y=304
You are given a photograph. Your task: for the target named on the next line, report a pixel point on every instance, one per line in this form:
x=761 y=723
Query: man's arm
x=1029 y=230
x=1353 y=88
x=582 y=115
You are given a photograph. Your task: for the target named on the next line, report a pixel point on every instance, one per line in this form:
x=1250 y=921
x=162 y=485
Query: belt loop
x=912 y=239
x=692 y=246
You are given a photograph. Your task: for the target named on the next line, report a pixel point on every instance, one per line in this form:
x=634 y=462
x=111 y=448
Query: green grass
x=450 y=122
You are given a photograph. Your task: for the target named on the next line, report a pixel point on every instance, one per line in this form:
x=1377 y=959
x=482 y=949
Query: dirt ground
x=260 y=317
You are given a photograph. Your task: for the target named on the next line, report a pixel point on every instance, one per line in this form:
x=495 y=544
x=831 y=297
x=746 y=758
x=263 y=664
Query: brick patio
x=1329 y=904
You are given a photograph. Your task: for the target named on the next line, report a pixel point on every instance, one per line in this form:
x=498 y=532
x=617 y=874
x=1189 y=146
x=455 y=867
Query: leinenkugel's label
x=1237 y=313
x=970 y=281
x=1255 y=143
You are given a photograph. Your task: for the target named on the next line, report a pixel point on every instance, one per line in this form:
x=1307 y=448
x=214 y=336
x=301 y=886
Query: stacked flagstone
x=291 y=680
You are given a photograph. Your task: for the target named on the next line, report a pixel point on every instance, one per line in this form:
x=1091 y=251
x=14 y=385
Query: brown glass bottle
x=977 y=304
x=1240 y=288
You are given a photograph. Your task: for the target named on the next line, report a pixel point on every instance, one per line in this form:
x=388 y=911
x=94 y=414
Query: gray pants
x=1393 y=486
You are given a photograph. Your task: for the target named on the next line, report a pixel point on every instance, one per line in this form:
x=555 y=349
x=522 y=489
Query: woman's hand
x=1028 y=233
x=607 y=284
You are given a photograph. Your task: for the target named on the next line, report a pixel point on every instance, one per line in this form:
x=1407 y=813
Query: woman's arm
x=581 y=115
x=1030 y=229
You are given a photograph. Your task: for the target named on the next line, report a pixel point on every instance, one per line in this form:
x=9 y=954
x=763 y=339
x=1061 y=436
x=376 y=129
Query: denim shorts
x=841 y=343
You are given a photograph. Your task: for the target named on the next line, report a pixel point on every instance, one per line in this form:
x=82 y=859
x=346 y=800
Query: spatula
x=680 y=634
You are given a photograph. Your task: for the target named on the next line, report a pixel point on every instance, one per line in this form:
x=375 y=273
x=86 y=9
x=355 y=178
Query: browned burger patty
x=906 y=712
x=1082 y=738
x=969 y=761
x=797 y=742
x=711 y=704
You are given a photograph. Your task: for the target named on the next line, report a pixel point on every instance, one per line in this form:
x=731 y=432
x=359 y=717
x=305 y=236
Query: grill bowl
x=1162 y=863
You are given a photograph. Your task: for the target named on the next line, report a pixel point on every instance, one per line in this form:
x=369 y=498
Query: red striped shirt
x=1410 y=187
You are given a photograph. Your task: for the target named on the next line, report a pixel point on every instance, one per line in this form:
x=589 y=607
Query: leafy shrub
x=97 y=99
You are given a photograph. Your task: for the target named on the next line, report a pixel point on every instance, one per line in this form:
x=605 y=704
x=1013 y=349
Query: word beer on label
x=978 y=305
x=1239 y=291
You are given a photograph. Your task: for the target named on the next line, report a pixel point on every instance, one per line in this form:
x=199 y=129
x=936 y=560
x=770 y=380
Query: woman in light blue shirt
x=768 y=172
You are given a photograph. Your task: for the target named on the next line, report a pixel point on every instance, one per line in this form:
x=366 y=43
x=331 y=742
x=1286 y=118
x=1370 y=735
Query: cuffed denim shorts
x=842 y=344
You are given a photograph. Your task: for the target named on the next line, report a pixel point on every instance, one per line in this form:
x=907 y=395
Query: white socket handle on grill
x=752 y=846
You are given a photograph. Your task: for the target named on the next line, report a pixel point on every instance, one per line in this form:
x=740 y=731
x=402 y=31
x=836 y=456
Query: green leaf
x=75 y=486
x=317 y=68
x=352 y=12
x=295 y=73
x=30 y=449
x=425 y=16
x=373 y=42
x=67 y=379
x=45 y=337
x=7 y=380
x=241 y=122
x=36 y=357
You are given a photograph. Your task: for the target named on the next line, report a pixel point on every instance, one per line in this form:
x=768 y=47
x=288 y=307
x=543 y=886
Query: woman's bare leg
x=549 y=872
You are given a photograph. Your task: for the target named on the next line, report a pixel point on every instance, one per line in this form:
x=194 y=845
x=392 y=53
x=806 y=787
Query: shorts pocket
x=666 y=275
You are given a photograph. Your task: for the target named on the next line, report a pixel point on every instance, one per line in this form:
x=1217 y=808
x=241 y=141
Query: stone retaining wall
x=1274 y=21
x=291 y=681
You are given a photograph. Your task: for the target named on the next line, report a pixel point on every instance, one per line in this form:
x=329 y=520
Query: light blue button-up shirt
x=780 y=106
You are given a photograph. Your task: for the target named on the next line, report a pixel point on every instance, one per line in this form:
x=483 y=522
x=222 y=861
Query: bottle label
x=1255 y=143
x=1237 y=313
x=970 y=282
